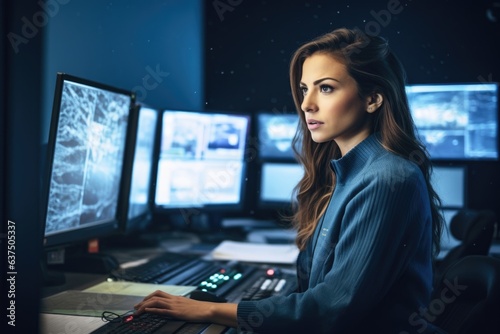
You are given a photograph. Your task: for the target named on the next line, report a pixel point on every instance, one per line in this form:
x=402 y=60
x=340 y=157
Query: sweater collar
x=351 y=163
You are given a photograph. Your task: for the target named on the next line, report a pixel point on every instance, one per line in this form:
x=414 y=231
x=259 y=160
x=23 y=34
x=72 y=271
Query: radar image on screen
x=456 y=121
x=87 y=165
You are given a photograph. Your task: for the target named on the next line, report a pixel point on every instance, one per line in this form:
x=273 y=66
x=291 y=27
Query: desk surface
x=52 y=323
x=58 y=323
x=74 y=281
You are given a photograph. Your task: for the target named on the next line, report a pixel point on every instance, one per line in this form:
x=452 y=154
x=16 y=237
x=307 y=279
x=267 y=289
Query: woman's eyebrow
x=323 y=79
x=320 y=81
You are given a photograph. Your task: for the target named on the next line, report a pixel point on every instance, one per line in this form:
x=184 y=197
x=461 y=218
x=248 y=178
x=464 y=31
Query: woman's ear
x=374 y=102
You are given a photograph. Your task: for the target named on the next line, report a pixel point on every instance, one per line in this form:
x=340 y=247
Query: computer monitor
x=456 y=121
x=201 y=161
x=137 y=200
x=275 y=134
x=450 y=184
x=278 y=181
x=85 y=152
x=279 y=171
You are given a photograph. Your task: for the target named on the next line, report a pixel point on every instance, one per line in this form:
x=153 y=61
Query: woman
x=367 y=216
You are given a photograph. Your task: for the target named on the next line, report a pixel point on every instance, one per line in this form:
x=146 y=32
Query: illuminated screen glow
x=142 y=165
x=456 y=121
x=278 y=181
x=449 y=183
x=201 y=159
x=88 y=158
x=275 y=134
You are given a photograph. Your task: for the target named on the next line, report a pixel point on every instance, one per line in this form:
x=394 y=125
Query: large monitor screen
x=275 y=134
x=139 y=203
x=85 y=159
x=202 y=159
x=456 y=121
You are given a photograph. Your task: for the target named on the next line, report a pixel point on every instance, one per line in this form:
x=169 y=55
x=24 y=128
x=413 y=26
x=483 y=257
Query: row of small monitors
x=202 y=160
x=201 y=157
x=279 y=179
x=455 y=122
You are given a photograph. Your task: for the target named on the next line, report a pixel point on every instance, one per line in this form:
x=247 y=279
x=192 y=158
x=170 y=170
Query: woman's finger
x=157 y=293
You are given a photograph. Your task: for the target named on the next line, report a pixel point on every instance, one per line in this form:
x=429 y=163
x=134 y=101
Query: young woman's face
x=332 y=107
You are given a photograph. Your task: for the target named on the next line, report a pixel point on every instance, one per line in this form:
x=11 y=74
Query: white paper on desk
x=60 y=323
x=138 y=289
x=117 y=297
x=255 y=252
x=90 y=304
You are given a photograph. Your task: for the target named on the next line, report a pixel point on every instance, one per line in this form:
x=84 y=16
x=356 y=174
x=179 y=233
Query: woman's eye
x=303 y=90
x=326 y=89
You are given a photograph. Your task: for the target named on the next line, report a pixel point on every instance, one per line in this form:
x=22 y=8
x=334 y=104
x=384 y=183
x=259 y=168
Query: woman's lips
x=313 y=124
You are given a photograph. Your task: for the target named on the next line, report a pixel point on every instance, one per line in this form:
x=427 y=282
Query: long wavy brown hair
x=376 y=69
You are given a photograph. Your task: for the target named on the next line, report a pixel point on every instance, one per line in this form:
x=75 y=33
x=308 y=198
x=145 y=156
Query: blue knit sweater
x=367 y=268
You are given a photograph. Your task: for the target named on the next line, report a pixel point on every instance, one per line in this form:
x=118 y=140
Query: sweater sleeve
x=382 y=227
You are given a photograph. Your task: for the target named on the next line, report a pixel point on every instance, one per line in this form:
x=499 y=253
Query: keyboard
x=234 y=281
x=146 y=323
x=263 y=283
x=179 y=269
x=157 y=270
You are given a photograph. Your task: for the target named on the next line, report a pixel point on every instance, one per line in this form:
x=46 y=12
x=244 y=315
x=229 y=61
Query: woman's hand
x=174 y=306
x=187 y=309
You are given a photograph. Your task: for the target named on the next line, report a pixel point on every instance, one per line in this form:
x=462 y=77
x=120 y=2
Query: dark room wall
x=249 y=45
x=151 y=47
x=20 y=238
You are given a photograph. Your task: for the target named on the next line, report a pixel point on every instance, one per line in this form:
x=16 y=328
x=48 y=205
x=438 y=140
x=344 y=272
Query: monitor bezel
x=83 y=234
x=143 y=220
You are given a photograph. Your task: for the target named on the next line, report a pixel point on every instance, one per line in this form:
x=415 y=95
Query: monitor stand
x=214 y=232
x=140 y=239
x=92 y=263
x=82 y=260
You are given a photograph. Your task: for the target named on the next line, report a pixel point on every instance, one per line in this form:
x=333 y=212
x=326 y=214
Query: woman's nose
x=308 y=104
